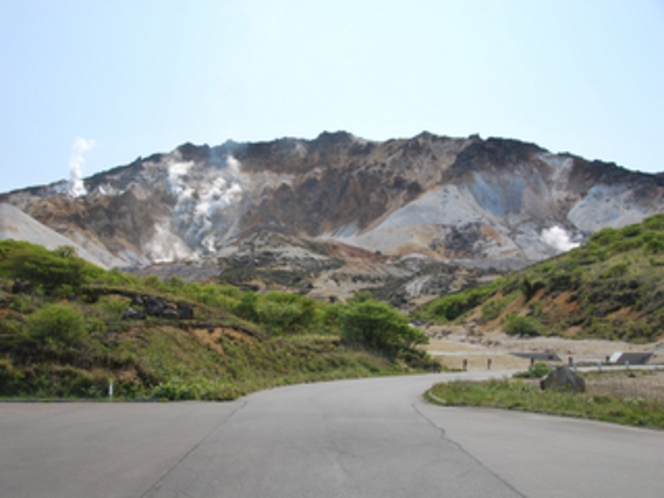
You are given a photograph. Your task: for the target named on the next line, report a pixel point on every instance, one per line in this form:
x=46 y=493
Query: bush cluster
x=48 y=270
x=378 y=327
x=449 y=308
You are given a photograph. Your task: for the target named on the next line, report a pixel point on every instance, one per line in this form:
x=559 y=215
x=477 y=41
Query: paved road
x=358 y=438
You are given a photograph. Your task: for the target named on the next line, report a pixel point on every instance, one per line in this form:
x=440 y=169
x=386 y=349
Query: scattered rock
x=563 y=379
x=158 y=307
x=170 y=314
x=185 y=311
x=132 y=314
x=4 y=302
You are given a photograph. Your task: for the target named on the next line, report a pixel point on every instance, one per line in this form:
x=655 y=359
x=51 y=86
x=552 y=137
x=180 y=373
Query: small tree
x=375 y=325
x=246 y=307
x=56 y=323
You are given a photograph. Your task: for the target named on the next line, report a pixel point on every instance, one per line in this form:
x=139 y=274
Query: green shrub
x=118 y=278
x=113 y=308
x=154 y=282
x=57 y=323
x=536 y=371
x=631 y=231
x=377 y=326
x=615 y=271
x=278 y=316
x=46 y=269
x=492 y=309
x=605 y=236
x=655 y=222
x=596 y=252
x=520 y=325
x=220 y=296
x=654 y=244
x=453 y=306
x=10 y=377
x=359 y=297
x=283 y=312
x=628 y=244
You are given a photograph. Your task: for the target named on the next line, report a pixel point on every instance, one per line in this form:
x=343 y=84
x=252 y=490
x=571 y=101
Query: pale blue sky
x=139 y=77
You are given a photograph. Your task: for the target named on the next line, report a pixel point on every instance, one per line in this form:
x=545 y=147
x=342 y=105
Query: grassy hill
x=69 y=329
x=611 y=288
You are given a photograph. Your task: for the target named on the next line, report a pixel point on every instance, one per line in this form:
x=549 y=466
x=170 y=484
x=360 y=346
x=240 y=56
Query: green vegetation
x=519 y=395
x=64 y=332
x=47 y=270
x=537 y=370
x=379 y=328
x=451 y=307
x=493 y=308
x=610 y=288
x=520 y=325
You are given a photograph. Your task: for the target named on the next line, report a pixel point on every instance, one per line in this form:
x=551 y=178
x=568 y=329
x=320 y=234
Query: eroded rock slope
x=440 y=206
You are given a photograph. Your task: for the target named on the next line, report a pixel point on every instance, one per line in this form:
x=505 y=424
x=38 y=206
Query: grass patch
x=519 y=395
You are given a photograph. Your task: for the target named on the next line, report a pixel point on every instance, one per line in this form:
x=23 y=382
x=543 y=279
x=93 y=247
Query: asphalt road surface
x=356 y=438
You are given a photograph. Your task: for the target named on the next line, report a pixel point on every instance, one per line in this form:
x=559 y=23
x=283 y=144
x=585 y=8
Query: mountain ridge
x=452 y=200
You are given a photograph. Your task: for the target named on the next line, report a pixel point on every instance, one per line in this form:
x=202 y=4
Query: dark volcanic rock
x=158 y=307
x=563 y=379
x=131 y=313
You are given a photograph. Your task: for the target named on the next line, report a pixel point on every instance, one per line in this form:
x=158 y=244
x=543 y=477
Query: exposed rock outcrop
x=461 y=202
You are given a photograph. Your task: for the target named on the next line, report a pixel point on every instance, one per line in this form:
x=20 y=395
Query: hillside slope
x=69 y=329
x=610 y=288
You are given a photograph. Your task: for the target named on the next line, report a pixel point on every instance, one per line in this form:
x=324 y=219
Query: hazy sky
x=92 y=85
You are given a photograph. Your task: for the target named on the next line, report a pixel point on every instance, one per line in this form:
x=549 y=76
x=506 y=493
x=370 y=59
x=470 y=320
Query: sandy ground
x=451 y=345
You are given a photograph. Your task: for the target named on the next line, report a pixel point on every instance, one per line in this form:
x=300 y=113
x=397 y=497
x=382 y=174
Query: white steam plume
x=558 y=238
x=233 y=165
x=76 y=163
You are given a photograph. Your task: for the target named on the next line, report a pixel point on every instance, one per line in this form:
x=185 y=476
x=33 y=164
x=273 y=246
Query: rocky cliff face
x=448 y=201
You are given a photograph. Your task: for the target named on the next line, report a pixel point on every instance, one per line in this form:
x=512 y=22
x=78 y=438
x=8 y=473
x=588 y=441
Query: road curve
x=355 y=438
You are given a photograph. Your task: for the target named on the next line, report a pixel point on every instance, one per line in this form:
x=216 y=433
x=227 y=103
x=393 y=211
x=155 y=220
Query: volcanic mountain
x=403 y=218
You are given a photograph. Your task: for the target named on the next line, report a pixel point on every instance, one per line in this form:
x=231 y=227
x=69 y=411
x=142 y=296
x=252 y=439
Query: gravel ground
x=453 y=344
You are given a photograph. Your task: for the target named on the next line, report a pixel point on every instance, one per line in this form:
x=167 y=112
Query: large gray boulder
x=563 y=379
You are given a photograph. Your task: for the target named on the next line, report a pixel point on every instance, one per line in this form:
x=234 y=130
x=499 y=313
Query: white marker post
x=110 y=390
